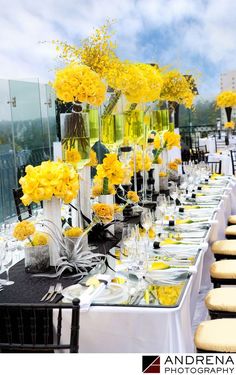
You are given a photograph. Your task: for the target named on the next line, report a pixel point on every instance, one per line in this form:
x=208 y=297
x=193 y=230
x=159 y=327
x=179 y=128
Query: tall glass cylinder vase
x=93 y=115
x=156 y=168
x=52 y=212
x=156 y=121
x=133 y=127
x=76 y=136
x=108 y=131
x=84 y=192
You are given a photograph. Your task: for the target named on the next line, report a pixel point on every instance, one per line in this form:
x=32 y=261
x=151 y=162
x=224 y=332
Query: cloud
x=193 y=35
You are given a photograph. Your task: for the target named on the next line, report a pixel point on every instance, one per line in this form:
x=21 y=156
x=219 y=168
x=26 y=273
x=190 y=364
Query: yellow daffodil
x=171 y=140
x=49 y=179
x=142 y=162
x=112 y=169
x=73 y=156
x=157 y=142
x=93 y=161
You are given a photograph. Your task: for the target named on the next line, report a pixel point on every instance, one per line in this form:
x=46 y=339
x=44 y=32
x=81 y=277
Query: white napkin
x=92 y=292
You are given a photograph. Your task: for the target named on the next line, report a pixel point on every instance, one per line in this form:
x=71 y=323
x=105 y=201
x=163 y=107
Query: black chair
x=29 y=327
x=215 y=165
x=233 y=160
x=23 y=212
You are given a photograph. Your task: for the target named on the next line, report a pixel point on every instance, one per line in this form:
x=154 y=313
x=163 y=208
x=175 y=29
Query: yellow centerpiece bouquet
x=36 y=248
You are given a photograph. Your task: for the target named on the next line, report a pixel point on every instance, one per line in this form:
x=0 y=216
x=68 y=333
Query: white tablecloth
x=150 y=329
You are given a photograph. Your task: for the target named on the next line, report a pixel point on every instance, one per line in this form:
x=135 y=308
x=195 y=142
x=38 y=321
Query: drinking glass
x=7 y=260
x=146 y=219
x=140 y=263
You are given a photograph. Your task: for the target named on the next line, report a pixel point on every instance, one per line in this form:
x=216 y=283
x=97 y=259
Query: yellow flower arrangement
x=162 y=174
x=177 y=88
x=173 y=165
x=73 y=232
x=93 y=162
x=47 y=180
x=111 y=168
x=229 y=125
x=159 y=160
x=133 y=196
x=140 y=83
x=98 y=187
x=226 y=99
x=23 y=230
x=103 y=211
x=171 y=140
x=39 y=239
x=117 y=208
x=97 y=51
x=141 y=162
x=79 y=83
x=72 y=156
x=178 y=161
x=157 y=142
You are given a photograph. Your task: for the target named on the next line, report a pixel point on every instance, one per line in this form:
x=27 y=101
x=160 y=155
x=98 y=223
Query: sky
x=195 y=36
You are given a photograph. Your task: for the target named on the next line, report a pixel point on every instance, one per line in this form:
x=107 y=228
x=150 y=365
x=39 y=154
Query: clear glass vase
x=37 y=258
x=76 y=135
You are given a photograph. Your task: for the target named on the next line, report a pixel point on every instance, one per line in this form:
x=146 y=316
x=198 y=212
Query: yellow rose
x=172 y=165
x=133 y=196
x=39 y=239
x=103 y=211
x=73 y=232
x=23 y=230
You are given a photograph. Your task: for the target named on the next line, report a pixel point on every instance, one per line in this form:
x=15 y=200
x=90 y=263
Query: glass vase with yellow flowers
x=37 y=257
x=78 y=83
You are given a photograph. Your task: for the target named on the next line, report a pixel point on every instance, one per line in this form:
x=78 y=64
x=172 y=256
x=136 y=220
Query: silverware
x=57 y=290
x=49 y=293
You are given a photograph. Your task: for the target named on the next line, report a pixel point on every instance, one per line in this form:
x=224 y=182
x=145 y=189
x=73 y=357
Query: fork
x=48 y=294
x=57 y=290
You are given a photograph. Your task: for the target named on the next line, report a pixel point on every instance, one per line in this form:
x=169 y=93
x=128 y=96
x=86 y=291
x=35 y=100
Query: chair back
x=233 y=160
x=23 y=212
x=215 y=166
x=29 y=327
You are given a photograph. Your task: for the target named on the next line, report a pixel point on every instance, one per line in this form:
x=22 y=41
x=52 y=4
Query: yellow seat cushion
x=221 y=299
x=230 y=230
x=216 y=335
x=224 y=247
x=232 y=219
x=224 y=269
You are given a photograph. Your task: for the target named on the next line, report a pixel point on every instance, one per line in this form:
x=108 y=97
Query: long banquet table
x=145 y=329
x=149 y=329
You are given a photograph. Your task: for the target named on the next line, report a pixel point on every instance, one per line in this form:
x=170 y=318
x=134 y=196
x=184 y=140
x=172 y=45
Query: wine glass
x=7 y=260
x=161 y=207
x=146 y=219
x=140 y=263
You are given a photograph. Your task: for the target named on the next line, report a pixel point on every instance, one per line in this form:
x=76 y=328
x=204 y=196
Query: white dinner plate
x=112 y=293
